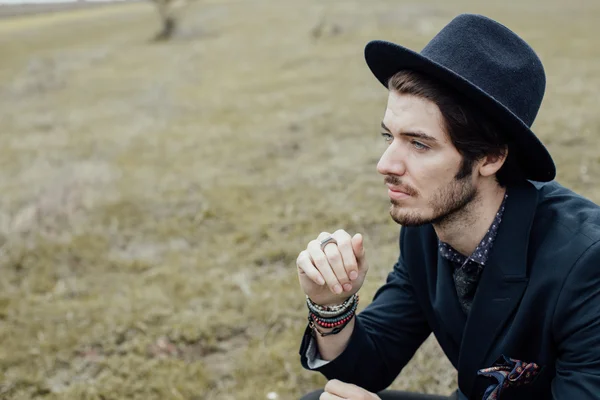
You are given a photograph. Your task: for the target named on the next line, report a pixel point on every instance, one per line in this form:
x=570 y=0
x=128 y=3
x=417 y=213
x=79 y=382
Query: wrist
x=340 y=302
x=332 y=318
x=332 y=310
x=333 y=305
x=318 y=328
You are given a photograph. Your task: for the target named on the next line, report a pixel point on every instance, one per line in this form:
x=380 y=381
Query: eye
x=387 y=137
x=419 y=145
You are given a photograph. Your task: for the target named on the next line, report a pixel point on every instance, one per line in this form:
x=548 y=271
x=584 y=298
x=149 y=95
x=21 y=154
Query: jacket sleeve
x=386 y=335
x=576 y=326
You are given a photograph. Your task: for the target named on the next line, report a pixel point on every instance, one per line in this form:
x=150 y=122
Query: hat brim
x=386 y=59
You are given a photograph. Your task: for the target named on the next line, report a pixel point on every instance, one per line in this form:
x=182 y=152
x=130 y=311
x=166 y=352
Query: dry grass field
x=154 y=197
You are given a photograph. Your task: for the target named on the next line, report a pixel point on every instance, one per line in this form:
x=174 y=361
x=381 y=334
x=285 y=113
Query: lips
x=396 y=189
x=396 y=194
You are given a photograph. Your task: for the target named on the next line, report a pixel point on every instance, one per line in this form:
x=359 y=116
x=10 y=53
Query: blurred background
x=163 y=163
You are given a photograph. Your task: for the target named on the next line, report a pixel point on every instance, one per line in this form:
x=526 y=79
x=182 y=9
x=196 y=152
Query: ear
x=491 y=164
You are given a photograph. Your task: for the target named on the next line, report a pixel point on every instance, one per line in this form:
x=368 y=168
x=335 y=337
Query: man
x=498 y=261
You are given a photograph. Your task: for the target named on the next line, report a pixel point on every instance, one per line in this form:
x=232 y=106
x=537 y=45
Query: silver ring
x=326 y=241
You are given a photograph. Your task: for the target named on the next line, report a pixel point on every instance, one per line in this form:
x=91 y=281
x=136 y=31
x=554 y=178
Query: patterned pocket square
x=508 y=372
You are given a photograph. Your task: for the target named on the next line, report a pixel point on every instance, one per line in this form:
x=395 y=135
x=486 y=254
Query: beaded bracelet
x=328 y=314
x=330 y=322
x=331 y=325
x=324 y=312
x=331 y=316
x=335 y=308
x=335 y=330
x=336 y=318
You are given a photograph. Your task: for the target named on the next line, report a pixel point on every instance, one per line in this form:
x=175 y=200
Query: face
x=420 y=164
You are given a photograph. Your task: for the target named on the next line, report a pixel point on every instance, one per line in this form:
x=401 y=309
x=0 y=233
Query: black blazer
x=538 y=300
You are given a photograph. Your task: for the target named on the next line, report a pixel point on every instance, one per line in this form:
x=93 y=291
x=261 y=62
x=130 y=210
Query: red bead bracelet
x=324 y=324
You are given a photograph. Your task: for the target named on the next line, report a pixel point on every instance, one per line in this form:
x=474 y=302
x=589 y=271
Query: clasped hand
x=338 y=390
x=334 y=273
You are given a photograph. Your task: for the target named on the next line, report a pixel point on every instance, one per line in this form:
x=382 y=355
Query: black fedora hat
x=490 y=65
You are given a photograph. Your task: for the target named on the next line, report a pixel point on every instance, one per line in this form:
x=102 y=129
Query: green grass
x=155 y=196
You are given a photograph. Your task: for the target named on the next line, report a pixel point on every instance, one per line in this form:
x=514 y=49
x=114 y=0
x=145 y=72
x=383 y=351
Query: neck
x=465 y=229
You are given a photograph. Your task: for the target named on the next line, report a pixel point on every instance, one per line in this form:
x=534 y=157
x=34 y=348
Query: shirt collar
x=482 y=251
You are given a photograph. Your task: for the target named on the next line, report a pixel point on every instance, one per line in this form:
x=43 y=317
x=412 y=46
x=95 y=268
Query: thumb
x=359 y=250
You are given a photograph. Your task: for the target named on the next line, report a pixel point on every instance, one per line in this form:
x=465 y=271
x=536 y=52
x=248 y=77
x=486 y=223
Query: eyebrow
x=415 y=134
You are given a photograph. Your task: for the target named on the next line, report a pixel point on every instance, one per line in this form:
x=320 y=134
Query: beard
x=448 y=204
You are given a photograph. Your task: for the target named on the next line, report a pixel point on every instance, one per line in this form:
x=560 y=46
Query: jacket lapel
x=501 y=287
x=446 y=303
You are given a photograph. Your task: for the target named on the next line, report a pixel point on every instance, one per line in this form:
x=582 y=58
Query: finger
x=323 y=236
x=344 y=390
x=359 y=251
x=329 y=396
x=305 y=266
x=335 y=260
x=322 y=264
x=349 y=259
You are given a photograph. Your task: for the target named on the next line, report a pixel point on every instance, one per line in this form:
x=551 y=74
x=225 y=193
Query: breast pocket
x=532 y=389
x=510 y=378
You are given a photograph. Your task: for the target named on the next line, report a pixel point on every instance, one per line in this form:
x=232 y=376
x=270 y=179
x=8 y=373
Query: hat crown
x=492 y=57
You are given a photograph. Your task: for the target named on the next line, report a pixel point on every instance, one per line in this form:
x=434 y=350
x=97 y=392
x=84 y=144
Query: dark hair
x=473 y=134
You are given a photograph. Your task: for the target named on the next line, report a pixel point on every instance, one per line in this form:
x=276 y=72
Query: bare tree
x=167 y=10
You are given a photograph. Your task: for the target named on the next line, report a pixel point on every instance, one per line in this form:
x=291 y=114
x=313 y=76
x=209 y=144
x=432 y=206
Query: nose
x=391 y=162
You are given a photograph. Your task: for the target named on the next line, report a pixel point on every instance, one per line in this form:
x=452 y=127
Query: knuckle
x=344 y=240
x=334 y=257
x=342 y=277
x=351 y=266
x=301 y=257
x=340 y=272
x=341 y=233
x=344 y=245
x=320 y=261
